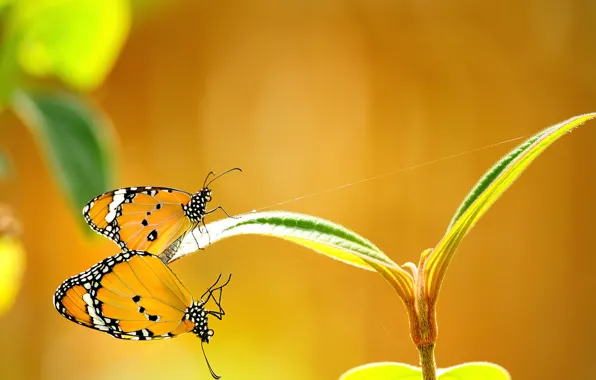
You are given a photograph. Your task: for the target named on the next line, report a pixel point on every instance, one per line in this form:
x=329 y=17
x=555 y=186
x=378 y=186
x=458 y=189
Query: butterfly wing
x=148 y=219
x=132 y=295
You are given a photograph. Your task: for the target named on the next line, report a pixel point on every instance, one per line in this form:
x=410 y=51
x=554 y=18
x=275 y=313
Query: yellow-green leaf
x=317 y=234
x=75 y=40
x=486 y=192
x=383 y=371
x=12 y=265
x=474 y=371
x=399 y=371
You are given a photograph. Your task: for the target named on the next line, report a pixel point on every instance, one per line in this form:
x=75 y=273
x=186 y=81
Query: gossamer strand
x=386 y=174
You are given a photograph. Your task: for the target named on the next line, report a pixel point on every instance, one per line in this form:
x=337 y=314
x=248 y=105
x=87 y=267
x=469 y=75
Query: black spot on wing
x=152 y=235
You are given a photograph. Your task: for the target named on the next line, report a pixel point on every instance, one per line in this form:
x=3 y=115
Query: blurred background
x=306 y=96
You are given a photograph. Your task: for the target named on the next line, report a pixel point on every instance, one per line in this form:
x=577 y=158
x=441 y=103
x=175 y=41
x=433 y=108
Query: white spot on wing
x=97 y=320
x=110 y=216
x=117 y=200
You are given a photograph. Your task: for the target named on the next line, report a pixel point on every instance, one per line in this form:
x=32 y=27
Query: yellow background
x=310 y=95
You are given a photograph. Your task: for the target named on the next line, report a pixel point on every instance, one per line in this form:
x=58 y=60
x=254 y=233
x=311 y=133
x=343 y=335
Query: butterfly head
x=196 y=209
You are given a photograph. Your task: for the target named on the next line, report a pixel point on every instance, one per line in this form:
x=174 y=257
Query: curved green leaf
x=486 y=192
x=76 y=139
x=75 y=40
x=474 y=371
x=315 y=233
x=383 y=371
x=318 y=234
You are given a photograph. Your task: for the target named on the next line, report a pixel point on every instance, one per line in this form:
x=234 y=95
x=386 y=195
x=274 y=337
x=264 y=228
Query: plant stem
x=427 y=361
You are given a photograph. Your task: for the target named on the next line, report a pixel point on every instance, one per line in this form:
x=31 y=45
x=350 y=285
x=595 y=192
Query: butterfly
x=133 y=295
x=150 y=219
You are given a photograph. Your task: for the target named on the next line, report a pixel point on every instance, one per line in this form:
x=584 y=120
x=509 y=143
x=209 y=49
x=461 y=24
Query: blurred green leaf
x=75 y=40
x=76 y=139
x=6 y=167
x=383 y=371
x=4 y=3
x=474 y=371
x=12 y=265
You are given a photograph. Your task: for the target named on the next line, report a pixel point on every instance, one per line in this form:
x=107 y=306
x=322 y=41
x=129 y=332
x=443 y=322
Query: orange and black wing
x=148 y=219
x=131 y=295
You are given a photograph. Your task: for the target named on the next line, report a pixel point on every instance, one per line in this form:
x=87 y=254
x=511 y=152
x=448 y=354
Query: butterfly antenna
x=206 y=178
x=216 y=177
x=215 y=375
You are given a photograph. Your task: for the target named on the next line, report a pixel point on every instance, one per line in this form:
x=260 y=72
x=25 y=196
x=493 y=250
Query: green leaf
x=318 y=234
x=474 y=371
x=490 y=187
x=383 y=371
x=75 y=40
x=76 y=140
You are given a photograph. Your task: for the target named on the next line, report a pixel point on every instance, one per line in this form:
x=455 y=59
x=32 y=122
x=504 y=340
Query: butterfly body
x=134 y=295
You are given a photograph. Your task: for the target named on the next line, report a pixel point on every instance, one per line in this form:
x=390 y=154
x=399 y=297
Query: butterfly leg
x=224 y=211
x=217 y=314
x=192 y=232
x=206 y=230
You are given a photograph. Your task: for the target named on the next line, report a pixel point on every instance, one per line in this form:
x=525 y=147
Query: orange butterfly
x=150 y=219
x=134 y=295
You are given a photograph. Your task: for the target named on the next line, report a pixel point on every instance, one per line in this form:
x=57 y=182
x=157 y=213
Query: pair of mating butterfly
x=134 y=295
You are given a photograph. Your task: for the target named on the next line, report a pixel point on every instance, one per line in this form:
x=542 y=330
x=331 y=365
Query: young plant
x=417 y=285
